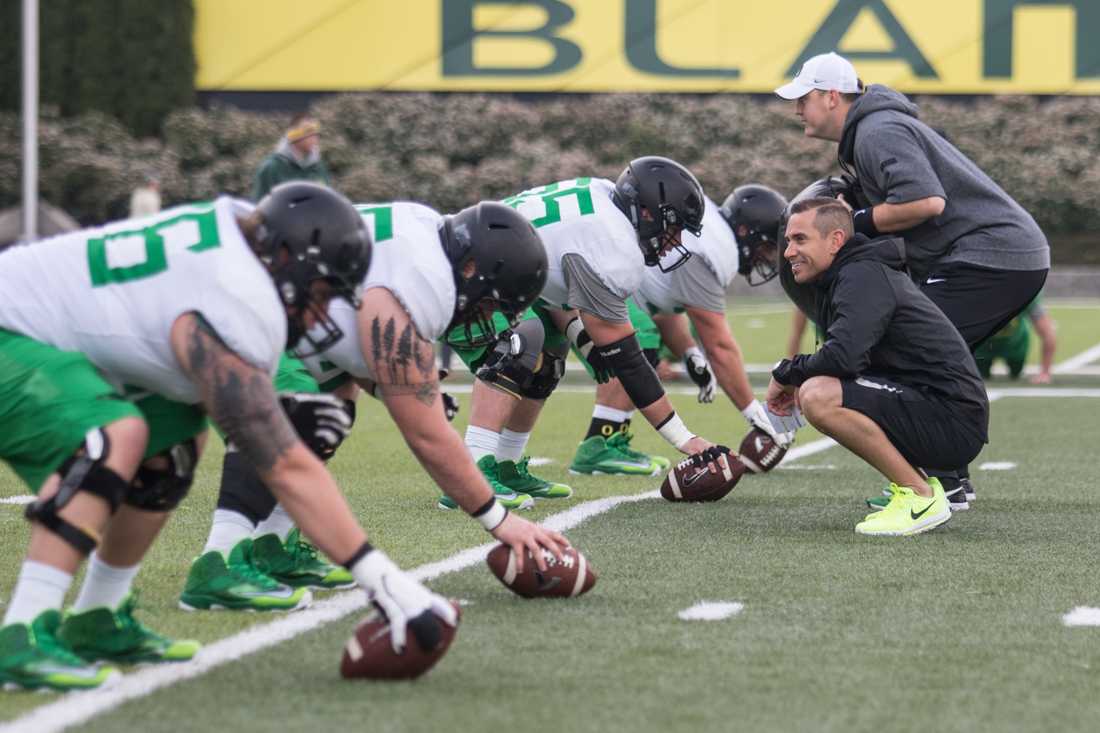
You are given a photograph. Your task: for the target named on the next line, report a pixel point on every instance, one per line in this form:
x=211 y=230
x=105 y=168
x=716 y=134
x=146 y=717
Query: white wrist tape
x=493 y=517
x=675 y=432
x=577 y=336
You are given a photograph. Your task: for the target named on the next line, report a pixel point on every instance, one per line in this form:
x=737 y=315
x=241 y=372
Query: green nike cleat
x=296 y=563
x=599 y=456
x=908 y=513
x=506 y=496
x=117 y=636
x=621 y=441
x=215 y=583
x=516 y=477
x=32 y=657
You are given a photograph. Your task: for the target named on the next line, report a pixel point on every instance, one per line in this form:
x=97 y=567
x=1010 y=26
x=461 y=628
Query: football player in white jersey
x=738 y=237
x=193 y=306
x=429 y=274
x=593 y=230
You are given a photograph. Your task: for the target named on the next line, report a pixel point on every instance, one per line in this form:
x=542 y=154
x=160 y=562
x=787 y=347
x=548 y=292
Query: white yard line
x=1078 y=360
x=711 y=611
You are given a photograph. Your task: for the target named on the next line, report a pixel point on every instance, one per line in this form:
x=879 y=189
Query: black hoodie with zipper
x=878 y=323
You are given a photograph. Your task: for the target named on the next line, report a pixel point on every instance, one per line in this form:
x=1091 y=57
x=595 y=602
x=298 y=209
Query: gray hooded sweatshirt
x=897 y=159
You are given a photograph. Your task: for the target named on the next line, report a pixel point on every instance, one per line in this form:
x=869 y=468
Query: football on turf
x=693 y=480
x=760 y=453
x=565 y=578
x=369 y=654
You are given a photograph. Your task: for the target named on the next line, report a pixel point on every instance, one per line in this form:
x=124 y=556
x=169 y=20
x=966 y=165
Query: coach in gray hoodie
x=969 y=246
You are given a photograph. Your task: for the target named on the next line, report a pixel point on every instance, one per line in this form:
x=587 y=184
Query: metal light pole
x=30 y=120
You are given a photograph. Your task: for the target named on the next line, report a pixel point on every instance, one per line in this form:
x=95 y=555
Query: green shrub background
x=450 y=150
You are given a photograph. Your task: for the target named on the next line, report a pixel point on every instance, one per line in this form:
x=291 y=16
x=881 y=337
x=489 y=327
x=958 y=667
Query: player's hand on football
x=322 y=421
x=699 y=371
x=780 y=397
x=524 y=536
x=757 y=417
x=405 y=602
x=695 y=445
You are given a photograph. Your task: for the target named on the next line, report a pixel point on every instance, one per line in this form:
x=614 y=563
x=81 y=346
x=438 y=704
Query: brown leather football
x=369 y=654
x=571 y=576
x=759 y=452
x=693 y=479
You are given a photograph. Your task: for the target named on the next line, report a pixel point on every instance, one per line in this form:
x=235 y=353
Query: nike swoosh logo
x=689 y=480
x=934 y=280
x=922 y=512
x=543 y=584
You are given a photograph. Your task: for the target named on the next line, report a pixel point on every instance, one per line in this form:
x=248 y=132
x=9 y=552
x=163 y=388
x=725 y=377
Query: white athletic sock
x=228 y=529
x=603 y=412
x=40 y=587
x=511 y=445
x=481 y=442
x=278 y=522
x=104 y=585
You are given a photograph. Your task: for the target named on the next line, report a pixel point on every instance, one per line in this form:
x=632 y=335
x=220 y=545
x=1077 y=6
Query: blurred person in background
x=297 y=157
x=145 y=200
x=1012 y=342
x=974 y=251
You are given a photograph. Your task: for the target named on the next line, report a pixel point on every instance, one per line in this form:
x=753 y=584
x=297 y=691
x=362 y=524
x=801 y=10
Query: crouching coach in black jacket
x=893 y=382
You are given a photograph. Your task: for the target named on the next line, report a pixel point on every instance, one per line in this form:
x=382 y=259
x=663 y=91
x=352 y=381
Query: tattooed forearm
x=239 y=398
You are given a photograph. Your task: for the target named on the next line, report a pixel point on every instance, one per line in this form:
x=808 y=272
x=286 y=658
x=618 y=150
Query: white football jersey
x=715 y=245
x=578 y=216
x=409 y=261
x=114 y=292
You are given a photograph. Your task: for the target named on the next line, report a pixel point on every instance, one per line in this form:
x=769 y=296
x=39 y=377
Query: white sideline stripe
x=540 y=461
x=24 y=499
x=997 y=466
x=1082 y=616
x=1085 y=357
x=995 y=394
x=77 y=707
x=807 y=467
x=711 y=611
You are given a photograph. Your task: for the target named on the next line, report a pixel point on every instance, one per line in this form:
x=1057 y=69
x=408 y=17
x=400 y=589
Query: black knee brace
x=84 y=472
x=546 y=377
x=511 y=364
x=636 y=375
x=242 y=491
x=162 y=489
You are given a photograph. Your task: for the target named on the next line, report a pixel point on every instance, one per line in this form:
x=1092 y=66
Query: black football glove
x=450 y=404
x=321 y=420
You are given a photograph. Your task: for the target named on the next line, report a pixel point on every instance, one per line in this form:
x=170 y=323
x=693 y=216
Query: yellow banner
x=932 y=46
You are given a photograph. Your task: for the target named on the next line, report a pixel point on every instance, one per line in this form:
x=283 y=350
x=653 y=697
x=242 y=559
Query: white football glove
x=695 y=362
x=404 y=601
x=787 y=423
x=758 y=417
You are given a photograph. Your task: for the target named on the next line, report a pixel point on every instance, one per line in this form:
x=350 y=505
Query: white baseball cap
x=826 y=72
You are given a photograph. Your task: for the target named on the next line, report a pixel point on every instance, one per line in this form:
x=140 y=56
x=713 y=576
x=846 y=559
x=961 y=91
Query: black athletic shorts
x=929 y=431
x=980 y=301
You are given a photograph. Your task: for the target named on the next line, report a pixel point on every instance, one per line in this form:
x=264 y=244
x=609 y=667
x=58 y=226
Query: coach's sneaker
x=296 y=563
x=621 y=442
x=215 y=582
x=516 y=477
x=956 y=499
x=31 y=656
x=968 y=489
x=597 y=455
x=507 y=497
x=116 y=636
x=908 y=513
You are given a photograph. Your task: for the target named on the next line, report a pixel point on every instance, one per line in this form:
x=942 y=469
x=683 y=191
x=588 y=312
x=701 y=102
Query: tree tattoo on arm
x=239 y=398
x=402 y=360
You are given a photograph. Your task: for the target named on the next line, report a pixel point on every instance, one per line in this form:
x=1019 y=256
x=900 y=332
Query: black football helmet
x=753 y=213
x=325 y=239
x=510 y=267
x=673 y=199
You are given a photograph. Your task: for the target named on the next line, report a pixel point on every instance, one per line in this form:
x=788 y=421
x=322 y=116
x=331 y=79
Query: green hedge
x=451 y=150
x=131 y=59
